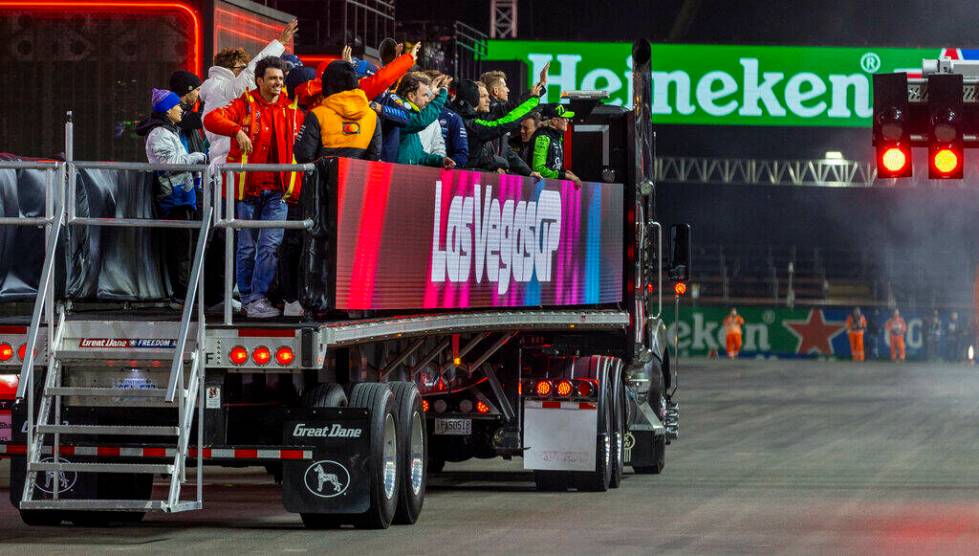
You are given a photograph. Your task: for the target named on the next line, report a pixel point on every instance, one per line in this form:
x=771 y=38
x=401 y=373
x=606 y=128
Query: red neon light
x=248 y=18
x=84 y=5
x=238 y=33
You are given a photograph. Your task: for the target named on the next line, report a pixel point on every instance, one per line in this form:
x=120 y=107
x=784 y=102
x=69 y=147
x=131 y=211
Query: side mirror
x=680 y=252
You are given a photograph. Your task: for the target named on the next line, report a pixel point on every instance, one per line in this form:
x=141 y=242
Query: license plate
x=456 y=427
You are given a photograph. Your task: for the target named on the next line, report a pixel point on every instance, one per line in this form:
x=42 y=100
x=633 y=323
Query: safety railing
x=52 y=222
x=225 y=217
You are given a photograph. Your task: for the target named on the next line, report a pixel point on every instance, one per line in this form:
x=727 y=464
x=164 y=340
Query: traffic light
x=946 y=145
x=892 y=126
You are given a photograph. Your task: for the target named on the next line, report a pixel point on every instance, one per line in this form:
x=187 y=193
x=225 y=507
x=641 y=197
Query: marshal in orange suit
x=733 y=325
x=856 y=325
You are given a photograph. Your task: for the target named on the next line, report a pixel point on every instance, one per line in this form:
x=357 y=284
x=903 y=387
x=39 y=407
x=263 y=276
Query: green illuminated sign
x=725 y=85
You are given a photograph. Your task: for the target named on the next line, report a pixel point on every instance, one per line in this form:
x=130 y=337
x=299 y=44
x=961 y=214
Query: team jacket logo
x=326 y=479
x=328 y=431
x=510 y=242
x=351 y=128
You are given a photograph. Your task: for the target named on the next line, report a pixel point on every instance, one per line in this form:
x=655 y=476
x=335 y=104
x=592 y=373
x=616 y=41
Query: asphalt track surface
x=775 y=457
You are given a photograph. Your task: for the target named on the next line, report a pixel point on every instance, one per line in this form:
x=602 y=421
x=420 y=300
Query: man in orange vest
x=732 y=328
x=896 y=329
x=856 y=325
x=264 y=126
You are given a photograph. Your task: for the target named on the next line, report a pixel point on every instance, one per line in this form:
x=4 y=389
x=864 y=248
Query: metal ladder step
x=109 y=505
x=152 y=468
x=125 y=430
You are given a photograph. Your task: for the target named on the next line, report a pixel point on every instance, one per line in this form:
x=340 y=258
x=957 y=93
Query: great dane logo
x=62 y=481
x=327 y=478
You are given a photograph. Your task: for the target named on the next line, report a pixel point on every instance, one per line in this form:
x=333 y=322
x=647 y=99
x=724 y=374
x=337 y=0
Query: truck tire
x=325 y=395
x=383 y=457
x=551 y=481
x=656 y=398
x=620 y=424
x=599 y=479
x=412 y=452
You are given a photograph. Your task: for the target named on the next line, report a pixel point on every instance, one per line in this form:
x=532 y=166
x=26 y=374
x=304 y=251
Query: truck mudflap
x=643 y=430
x=337 y=478
x=560 y=436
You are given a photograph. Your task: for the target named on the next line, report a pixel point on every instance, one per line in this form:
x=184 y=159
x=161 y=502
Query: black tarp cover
x=94 y=263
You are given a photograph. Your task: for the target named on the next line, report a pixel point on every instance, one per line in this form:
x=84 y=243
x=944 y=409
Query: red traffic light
x=680 y=289
x=894 y=160
x=946 y=162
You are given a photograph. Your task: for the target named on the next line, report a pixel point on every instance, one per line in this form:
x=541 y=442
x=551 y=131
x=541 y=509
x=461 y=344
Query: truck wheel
x=412 y=452
x=599 y=479
x=383 y=457
x=620 y=425
x=551 y=481
x=325 y=395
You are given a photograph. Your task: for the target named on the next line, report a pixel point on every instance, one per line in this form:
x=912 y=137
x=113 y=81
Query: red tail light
x=238 y=355
x=425 y=406
x=543 y=388
x=22 y=351
x=564 y=388
x=584 y=388
x=262 y=355
x=6 y=352
x=284 y=355
x=482 y=407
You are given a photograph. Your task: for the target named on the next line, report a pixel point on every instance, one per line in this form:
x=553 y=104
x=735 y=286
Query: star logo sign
x=815 y=334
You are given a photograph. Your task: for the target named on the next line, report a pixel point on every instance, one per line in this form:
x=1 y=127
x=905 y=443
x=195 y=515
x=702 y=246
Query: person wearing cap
x=548 y=145
x=188 y=87
x=233 y=74
x=291 y=62
x=176 y=194
x=472 y=103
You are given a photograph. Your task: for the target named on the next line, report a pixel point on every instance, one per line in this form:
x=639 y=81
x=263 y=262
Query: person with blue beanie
x=176 y=192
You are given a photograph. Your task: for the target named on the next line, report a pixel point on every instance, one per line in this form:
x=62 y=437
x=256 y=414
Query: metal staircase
x=82 y=358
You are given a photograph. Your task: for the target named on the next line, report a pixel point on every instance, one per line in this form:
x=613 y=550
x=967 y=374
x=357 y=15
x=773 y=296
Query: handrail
x=47 y=273
x=659 y=266
x=193 y=283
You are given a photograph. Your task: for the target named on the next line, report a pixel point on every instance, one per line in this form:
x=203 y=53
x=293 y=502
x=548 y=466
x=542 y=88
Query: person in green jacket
x=547 y=154
x=426 y=98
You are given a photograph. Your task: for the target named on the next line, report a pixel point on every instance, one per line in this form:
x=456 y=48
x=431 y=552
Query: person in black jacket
x=187 y=86
x=472 y=104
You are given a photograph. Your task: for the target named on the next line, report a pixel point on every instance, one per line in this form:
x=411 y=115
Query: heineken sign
x=806 y=332
x=725 y=85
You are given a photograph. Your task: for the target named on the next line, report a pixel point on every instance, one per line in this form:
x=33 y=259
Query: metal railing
x=225 y=217
x=52 y=221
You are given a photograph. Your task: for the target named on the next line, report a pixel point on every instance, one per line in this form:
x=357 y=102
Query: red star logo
x=815 y=334
x=953 y=53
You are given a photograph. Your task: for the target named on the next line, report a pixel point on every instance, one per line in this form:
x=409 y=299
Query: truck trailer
x=449 y=315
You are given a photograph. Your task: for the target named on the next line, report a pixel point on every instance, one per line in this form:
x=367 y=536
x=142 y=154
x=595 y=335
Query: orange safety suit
x=854 y=331
x=732 y=329
x=896 y=329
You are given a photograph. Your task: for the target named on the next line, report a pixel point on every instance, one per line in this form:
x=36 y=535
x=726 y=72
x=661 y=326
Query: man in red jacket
x=264 y=127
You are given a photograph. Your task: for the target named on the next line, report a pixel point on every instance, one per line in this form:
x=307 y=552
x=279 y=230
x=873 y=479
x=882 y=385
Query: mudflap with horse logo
x=337 y=479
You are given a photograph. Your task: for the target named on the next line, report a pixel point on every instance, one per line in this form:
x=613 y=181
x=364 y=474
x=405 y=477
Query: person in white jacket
x=231 y=75
x=176 y=192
